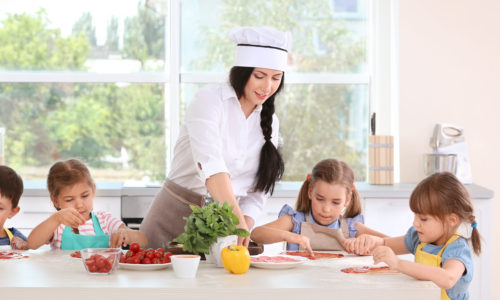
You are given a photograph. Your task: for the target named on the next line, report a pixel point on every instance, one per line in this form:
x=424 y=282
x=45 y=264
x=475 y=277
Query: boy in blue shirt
x=11 y=188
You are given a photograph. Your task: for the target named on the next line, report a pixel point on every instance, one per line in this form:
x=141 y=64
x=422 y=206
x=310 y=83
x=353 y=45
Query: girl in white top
x=228 y=143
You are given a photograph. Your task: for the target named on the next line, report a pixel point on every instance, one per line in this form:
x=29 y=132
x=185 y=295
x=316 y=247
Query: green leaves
x=206 y=224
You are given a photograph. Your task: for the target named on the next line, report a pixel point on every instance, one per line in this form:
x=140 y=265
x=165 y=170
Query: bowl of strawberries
x=100 y=261
x=137 y=258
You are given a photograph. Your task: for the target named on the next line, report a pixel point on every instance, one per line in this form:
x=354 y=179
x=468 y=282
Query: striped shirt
x=109 y=224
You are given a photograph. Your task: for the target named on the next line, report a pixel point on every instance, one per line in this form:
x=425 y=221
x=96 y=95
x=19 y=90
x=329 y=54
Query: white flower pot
x=214 y=256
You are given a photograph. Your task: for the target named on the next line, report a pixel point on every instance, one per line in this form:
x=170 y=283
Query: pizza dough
x=317 y=255
x=369 y=270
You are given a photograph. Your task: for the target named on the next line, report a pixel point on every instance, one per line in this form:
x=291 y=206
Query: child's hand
x=18 y=243
x=302 y=240
x=120 y=237
x=385 y=254
x=70 y=217
x=363 y=244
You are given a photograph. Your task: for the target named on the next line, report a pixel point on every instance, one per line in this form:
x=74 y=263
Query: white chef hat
x=261 y=47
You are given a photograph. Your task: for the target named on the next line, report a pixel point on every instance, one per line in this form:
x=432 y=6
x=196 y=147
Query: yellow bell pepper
x=236 y=259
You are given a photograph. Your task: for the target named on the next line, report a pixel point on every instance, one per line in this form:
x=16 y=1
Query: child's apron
x=9 y=234
x=435 y=260
x=73 y=241
x=324 y=238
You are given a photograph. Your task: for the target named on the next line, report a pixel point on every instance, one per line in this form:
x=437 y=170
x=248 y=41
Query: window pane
x=115 y=36
x=323 y=40
x=118 y=129
x=317 y=121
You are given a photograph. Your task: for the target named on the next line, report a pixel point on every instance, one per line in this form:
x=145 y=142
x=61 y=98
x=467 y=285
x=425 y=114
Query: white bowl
x=185 y=265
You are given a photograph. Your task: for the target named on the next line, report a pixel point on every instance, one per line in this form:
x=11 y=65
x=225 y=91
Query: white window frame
x=381 y=77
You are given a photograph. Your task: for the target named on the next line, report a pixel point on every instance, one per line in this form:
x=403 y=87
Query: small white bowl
x=185 y=265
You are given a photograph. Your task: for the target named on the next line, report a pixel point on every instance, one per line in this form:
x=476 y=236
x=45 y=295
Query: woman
x=228 y=142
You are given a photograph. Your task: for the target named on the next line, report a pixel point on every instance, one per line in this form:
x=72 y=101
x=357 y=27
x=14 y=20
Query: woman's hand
x=363 y=244
x=120 y=237
x=302 y=240
x=69 y=217
x=243 y=240
x=385 y=254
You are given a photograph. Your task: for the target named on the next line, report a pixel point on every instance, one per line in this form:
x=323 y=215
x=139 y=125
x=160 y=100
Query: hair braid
x=271 y=165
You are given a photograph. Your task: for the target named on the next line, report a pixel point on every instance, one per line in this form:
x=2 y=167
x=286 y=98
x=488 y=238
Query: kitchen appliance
x=434 y=163
x=448 y=140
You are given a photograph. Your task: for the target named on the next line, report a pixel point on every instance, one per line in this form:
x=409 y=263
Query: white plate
x=279 y=265
x=143 y=267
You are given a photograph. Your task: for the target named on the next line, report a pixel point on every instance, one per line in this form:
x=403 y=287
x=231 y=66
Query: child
x=444 y=221
x=317 y=218
x=11 y=188
x=75 y=226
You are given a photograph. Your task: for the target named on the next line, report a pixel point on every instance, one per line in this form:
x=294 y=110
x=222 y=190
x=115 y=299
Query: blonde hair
x=331 y=171
x=442 y=194
x=67 y=173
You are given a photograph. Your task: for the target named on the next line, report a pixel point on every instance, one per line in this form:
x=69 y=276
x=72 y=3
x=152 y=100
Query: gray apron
x=323 y=238
x=164 y=220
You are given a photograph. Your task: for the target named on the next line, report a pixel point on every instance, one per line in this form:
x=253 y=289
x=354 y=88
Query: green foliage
x=206 y=224
x=85 y=26
x=27 y=43
x=50 y=121
x=112 y=37
x=144 y=35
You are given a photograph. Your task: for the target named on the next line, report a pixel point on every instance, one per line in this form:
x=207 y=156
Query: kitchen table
x=49 y=274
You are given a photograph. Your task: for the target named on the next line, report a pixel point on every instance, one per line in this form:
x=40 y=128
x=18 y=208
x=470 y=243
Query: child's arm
x=18 y=243
x=363 y=229
x=445 y=277
x=365 y=243
x=44 y=232
x=126 y=236
x=280 y=231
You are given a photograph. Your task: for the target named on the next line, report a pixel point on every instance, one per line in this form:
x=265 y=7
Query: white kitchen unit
x=47 y=274
x=386 y=209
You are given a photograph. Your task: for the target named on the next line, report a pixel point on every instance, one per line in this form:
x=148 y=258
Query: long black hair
x=271 y=165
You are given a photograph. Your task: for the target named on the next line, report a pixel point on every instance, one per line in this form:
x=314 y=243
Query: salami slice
x=11 y=255
x=273 y=259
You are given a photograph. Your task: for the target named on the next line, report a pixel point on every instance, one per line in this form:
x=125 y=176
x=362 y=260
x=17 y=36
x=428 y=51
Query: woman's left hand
x=119 y=237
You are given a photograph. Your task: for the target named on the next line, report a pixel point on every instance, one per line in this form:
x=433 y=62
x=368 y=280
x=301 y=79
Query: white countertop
x=49 y=274
x=289 y=189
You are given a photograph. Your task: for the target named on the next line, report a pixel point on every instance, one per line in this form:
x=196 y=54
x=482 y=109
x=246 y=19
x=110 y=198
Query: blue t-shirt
x=299 y=217
x=459 y=250
x=5 y=240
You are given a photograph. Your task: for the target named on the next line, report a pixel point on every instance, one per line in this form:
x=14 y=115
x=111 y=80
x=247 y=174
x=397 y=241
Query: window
x=98 y=80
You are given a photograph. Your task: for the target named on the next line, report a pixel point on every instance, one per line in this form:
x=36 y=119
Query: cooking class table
x=49 y=274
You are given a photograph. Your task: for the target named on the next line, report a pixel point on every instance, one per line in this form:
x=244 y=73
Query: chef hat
x=261 y=47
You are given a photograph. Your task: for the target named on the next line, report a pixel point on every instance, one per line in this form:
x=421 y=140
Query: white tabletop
x=49 y=274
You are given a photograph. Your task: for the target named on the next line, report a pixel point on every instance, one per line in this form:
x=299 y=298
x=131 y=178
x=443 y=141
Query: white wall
x=450 y=72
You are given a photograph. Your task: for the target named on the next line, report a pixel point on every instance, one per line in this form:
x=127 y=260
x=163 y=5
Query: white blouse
x=216 y=137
